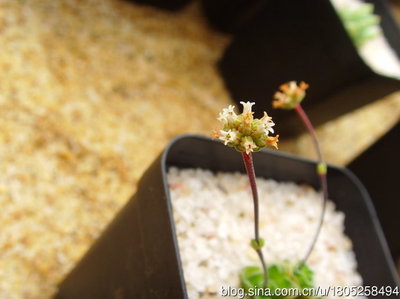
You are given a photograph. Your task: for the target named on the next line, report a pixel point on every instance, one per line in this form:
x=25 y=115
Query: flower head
x=290 y=95
x=244 y=132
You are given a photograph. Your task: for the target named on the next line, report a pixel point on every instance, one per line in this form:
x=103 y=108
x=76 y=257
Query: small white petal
x=247 y=107
x=227 y=114
x=269 y=130
x=222 y=118
x=249 y=145
x=267 y=123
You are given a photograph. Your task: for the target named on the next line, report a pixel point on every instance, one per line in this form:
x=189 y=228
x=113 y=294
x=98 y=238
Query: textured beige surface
x=90 y=93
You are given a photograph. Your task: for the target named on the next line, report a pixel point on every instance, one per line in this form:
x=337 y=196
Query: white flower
x=227 y=136
x=227 y=114
x=249 y=145
x=247 y=107
x=267 y=122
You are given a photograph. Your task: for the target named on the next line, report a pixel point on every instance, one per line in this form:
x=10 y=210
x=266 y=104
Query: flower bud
x=290 y=95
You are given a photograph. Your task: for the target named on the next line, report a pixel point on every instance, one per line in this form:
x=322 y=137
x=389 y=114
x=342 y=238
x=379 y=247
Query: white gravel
x=214 y=221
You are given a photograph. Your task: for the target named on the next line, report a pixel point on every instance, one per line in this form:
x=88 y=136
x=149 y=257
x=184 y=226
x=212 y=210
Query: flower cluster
x=244 y=132
x=290 y=95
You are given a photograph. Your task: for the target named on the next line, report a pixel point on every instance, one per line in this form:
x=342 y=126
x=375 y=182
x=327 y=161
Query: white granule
x=214 y=221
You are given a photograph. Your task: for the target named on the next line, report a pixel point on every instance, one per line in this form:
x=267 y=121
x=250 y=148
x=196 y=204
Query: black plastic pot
x=230 y=15
x=138 y=256
x=378 y=168
x=164 y=4
x=303 y=40
x=388 y=23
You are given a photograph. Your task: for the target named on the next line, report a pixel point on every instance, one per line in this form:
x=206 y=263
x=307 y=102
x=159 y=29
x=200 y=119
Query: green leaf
x=280 y=276
x=360 y=23
x=251 y=277
x=305 y=277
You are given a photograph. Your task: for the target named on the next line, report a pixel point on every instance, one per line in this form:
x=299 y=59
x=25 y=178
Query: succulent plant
x=360 y=22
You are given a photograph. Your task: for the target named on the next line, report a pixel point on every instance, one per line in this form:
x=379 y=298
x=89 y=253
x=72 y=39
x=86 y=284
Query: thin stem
x=310 y=129
x=248 y=162
x=322 y=176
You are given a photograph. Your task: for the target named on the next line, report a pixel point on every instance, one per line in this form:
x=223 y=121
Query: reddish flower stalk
x=248 y=162
x=321 y=169
x=248 y=134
